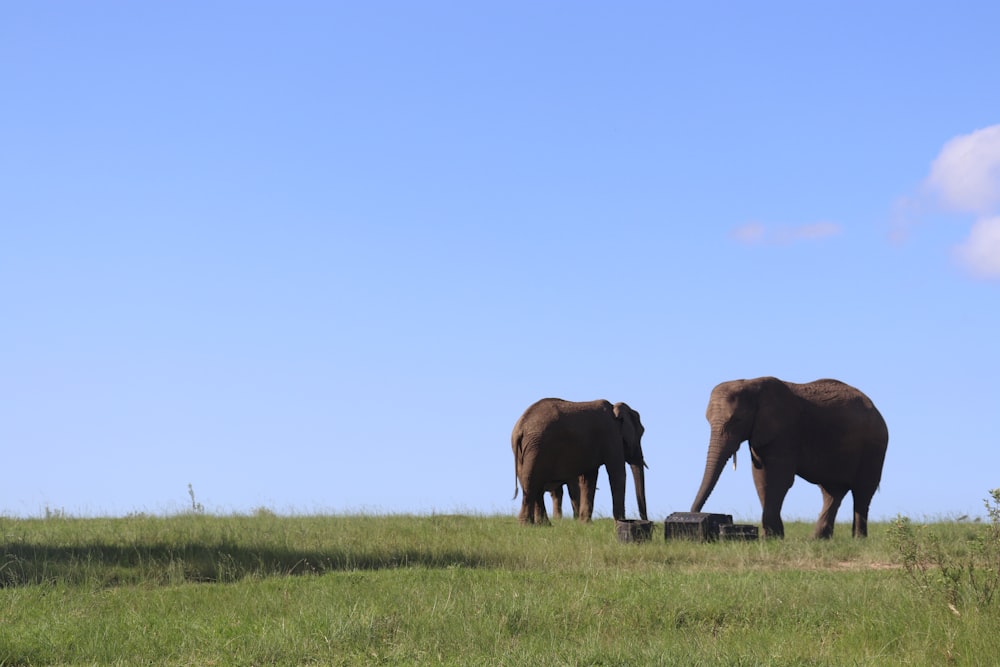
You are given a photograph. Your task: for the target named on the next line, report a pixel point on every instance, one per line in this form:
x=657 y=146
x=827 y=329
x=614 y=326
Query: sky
x=318 y=257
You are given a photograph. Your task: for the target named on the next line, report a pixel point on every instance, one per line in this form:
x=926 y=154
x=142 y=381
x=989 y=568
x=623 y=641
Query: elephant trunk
x=720 y=450
x=639 y=477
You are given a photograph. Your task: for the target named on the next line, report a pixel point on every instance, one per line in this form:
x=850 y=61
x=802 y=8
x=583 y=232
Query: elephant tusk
x=734 y=460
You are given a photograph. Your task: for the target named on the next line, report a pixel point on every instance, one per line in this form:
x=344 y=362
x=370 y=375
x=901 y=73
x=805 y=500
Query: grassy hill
x=481 y=590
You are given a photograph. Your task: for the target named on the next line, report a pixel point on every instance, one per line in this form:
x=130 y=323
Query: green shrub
x=963 y=571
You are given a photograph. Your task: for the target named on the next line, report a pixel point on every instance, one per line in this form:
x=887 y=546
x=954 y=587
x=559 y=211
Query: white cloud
x=980 y=253
x=966 y=174
x=816 y=230
x=965 y=177
x=754 y=233
x=750 y=233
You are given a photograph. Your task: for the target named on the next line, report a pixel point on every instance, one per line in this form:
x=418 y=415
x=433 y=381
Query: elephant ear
x=622 y=411
x=631 y=429
x=772 y=412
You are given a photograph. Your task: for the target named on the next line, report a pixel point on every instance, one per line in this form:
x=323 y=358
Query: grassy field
x=196 y=589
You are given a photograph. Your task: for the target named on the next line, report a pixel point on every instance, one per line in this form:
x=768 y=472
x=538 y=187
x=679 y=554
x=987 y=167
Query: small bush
x=963 y=572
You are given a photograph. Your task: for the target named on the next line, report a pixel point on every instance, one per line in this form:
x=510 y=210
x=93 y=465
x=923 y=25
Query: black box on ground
x=633 y=530
x=695 y=525
x=738 y=531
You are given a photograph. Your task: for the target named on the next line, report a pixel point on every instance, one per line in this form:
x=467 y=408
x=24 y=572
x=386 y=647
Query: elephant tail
x=516 y=446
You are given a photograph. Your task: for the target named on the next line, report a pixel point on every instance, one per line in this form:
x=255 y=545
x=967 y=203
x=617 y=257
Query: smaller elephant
x=557 y=440
x=584 y=486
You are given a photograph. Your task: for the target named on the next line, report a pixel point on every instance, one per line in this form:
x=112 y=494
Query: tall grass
x=465 y=590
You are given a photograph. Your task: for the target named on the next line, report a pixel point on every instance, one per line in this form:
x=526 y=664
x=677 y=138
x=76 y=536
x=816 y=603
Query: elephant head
x=632 y=430
x=739 y=410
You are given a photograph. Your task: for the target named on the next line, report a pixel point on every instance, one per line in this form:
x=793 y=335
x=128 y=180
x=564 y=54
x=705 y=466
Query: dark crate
x=695 y=525
x=738 y=531
x=634 y=530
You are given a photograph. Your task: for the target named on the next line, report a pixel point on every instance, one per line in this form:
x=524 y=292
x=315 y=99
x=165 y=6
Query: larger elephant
x=826 y=432
x=557 y=441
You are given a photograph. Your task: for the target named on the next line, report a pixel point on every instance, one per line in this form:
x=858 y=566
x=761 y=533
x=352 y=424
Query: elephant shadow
x=110 y=565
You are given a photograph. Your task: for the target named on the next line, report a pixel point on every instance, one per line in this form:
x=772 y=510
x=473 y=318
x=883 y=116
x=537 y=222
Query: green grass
x=468 y=590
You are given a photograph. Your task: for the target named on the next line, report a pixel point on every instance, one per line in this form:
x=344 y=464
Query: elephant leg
x=586 y=493
x=616 y=479
x=574 y=495
x=862 y=499
x=533 y=505
x=832 y=497
x=541 y=518
x=527 y=514
x=773 y=483
x=557 y=497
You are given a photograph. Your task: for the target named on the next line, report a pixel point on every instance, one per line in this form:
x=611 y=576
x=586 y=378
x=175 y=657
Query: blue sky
x=319 y=257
